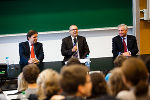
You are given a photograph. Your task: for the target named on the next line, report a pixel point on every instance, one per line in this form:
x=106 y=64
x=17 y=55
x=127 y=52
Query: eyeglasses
x=73 y=29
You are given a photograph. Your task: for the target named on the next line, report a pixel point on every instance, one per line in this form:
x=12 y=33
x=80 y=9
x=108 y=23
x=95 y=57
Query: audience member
x=22 y=84
x=75 y=82
x=47 y=85
x=115 y=82
x=99 y=85
x=117 y=63
x=30 y=74
x=135 y=77
x=72 y=61
x=119 y=60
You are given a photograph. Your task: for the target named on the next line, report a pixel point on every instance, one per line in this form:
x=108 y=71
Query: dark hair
x=119 y=60
x=30 y=33
x=136 y=72
x=115 y=82
x=72 y=61
x=73 y=76
x=30 y=73
x=99 y=85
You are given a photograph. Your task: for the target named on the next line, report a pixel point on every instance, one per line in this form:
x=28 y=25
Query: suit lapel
x=27 y=47
x=35 y=48
x=121 y=43
x=128 y=41
x=79 y=42
x=70 y=41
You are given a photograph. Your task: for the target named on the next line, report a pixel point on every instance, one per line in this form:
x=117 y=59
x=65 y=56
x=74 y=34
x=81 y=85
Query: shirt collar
x=124 y=37
x=29 y=43
x=73 y=37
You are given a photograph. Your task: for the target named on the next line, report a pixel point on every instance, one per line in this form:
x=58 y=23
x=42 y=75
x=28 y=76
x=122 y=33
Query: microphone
x=75 y=41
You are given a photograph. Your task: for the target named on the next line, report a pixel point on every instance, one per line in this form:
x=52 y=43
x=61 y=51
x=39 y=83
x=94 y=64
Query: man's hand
x=33 y=61
x=30 y=61
x=74 y=48
x=36 y=61
x=126 y=54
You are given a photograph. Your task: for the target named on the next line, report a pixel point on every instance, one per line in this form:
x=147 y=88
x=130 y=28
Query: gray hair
x=125 y=26
x=72 y=25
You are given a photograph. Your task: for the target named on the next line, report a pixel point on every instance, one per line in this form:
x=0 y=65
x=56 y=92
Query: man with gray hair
x=124 y=44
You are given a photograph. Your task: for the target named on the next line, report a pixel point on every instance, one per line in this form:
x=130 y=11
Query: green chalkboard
x=19 y=16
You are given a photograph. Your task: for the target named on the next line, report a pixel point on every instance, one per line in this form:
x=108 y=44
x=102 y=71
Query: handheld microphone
x=75 y=41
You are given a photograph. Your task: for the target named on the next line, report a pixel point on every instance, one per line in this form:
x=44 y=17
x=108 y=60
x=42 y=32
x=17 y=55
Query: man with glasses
x=74 y=45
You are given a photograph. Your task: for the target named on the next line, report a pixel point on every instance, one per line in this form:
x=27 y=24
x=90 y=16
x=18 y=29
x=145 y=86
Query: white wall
x=99 y=41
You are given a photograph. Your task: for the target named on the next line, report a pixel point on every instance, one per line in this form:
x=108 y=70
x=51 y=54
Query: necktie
x=76 y=53
x=124 y=45
x=32 y=52
x=75 y=41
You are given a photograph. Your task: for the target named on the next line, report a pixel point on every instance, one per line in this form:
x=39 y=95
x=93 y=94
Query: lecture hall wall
x=144 y=32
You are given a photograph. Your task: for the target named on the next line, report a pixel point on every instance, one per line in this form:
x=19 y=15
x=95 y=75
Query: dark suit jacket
x=67 y=45
x=24 y=52
x=117 y=45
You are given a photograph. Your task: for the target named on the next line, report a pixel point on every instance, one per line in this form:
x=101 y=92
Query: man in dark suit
x=31 y=51
x=124 y=44
x=74 y=45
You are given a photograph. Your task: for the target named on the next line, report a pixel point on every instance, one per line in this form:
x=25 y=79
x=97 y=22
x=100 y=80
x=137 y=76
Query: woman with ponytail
x=135 y=77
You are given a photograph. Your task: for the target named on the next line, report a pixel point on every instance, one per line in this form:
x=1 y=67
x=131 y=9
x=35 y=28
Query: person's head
x=32 y=36
x=122 y=29
x=76 y=81
x=30 y=73
x=119 y=60
x=135 y=74
x=73 y=30
x=72 y=61
x=99 y=85
x=115 y=82
x=48 y=84
x=22 y=84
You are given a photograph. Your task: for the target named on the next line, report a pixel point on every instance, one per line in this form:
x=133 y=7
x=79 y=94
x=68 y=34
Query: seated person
x=47 y=85
x=124 y=44
x=74 y=45
x=22 y=84
x=30 y=74
x=75 y=82
x=31 y=51
x=72 y=61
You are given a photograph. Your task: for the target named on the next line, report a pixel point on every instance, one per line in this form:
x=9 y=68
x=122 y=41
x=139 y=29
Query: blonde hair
x=22 y=84
x=48 y=84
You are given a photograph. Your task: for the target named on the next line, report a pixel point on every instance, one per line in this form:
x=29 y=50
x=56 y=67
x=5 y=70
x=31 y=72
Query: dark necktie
x=75 y=41
x=124 y=45
x=76 y=53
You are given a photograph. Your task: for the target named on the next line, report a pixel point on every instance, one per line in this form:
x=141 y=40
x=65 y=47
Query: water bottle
x=87 y=63
x=7 y=62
